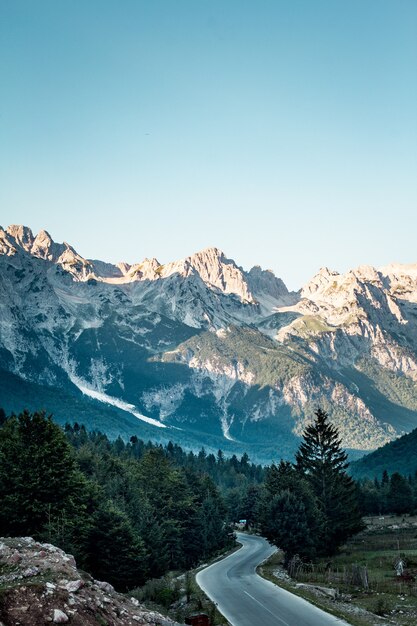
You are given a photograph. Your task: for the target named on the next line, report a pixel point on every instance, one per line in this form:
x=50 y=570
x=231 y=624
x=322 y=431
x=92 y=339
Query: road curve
x=246 y=599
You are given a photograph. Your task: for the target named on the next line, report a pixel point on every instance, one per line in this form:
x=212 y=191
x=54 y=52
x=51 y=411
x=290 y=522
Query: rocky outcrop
x=40 y=584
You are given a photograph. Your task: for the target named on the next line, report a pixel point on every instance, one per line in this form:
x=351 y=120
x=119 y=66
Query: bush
x=381 y=607
x=163 y=591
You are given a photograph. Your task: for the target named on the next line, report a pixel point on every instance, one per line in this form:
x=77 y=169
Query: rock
x=324 y=591
x=33 y=604
x=60 y=617
x=68 y=558
x=107 y=587
x=15 y=558
x=30 y=571
x=74 y=585
x=50 y=588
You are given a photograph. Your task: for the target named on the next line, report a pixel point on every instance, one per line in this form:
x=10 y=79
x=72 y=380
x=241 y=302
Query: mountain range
x=202 y=352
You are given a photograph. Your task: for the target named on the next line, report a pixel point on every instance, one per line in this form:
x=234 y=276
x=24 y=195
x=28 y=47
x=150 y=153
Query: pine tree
x=281 y=479
x=321 y=460
x=115 y=553
x=39 y=479
x=399 y=496
x=286 y=525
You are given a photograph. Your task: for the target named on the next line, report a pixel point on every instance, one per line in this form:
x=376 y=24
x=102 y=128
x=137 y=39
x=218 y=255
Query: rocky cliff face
x=201 y=351
x=40 y=584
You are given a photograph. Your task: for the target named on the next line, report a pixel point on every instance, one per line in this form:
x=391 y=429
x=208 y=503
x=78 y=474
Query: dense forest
x=127 y=512
x=399 y=456
x=395 y=494
x=130 y=511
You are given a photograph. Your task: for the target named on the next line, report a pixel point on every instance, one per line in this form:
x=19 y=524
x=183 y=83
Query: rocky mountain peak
x=321 y=281
x=366 y=273
x=212 y=253
x=6 y=246
x=216 y=269
x=269 y=290
x=409 y=269
x=265 y=281
x=148 y=269
x=74 y=263
x=22 y=235
x=44 y=247
x=123 y=267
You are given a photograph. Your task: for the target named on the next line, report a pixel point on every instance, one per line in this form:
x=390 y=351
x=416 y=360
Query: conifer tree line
x=126 y=511
x=132 y=511
x=395 y=494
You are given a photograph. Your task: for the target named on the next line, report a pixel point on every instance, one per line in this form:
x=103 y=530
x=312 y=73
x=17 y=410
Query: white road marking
x=266 y=609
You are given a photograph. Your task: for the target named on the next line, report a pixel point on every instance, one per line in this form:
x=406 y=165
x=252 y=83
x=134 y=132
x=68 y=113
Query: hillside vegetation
x=397 y=456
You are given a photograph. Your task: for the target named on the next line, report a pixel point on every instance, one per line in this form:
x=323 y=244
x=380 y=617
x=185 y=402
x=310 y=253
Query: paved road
x=246 y=599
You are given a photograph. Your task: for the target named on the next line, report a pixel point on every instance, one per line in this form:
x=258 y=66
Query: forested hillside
x=130 y=511
x=397 y=456
x=126 y=512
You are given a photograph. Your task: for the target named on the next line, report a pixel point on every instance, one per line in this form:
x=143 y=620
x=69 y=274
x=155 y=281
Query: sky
x=282 y=131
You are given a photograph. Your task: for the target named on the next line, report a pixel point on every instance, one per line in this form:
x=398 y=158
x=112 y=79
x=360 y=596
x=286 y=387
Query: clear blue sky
x=283 y=132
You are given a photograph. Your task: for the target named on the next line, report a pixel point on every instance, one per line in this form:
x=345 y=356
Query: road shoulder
x=273 y=571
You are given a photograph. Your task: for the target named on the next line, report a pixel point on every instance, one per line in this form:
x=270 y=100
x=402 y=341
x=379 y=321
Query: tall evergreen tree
x=323 y=462
x=283 y=488
x=399 y=496
x=115 y=553
x=40 y=485
x=287 y=526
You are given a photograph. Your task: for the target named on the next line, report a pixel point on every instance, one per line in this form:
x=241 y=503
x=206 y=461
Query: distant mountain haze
x=203 y=352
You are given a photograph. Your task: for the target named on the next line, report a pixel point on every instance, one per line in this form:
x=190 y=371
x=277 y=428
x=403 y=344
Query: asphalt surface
x=246 y=599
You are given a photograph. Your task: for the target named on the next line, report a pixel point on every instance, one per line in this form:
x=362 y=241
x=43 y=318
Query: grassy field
x=362 y=577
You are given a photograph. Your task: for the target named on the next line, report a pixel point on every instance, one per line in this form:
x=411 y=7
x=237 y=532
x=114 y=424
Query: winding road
x=246 y=599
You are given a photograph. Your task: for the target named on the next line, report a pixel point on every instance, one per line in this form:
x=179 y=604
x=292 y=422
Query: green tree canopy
x=286 y=525
x=39 y=478
x=400 y=495
x=114 y=551
x=322 y=462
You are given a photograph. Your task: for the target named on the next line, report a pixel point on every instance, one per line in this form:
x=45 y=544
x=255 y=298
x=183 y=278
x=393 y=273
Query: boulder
x=60 y=617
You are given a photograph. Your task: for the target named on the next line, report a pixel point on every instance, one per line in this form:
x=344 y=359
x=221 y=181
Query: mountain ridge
x=201 y=343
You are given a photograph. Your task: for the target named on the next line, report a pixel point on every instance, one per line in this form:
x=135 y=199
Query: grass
x=376 y=549
x=267 y=571
x=312 y=324
x=177 y=595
